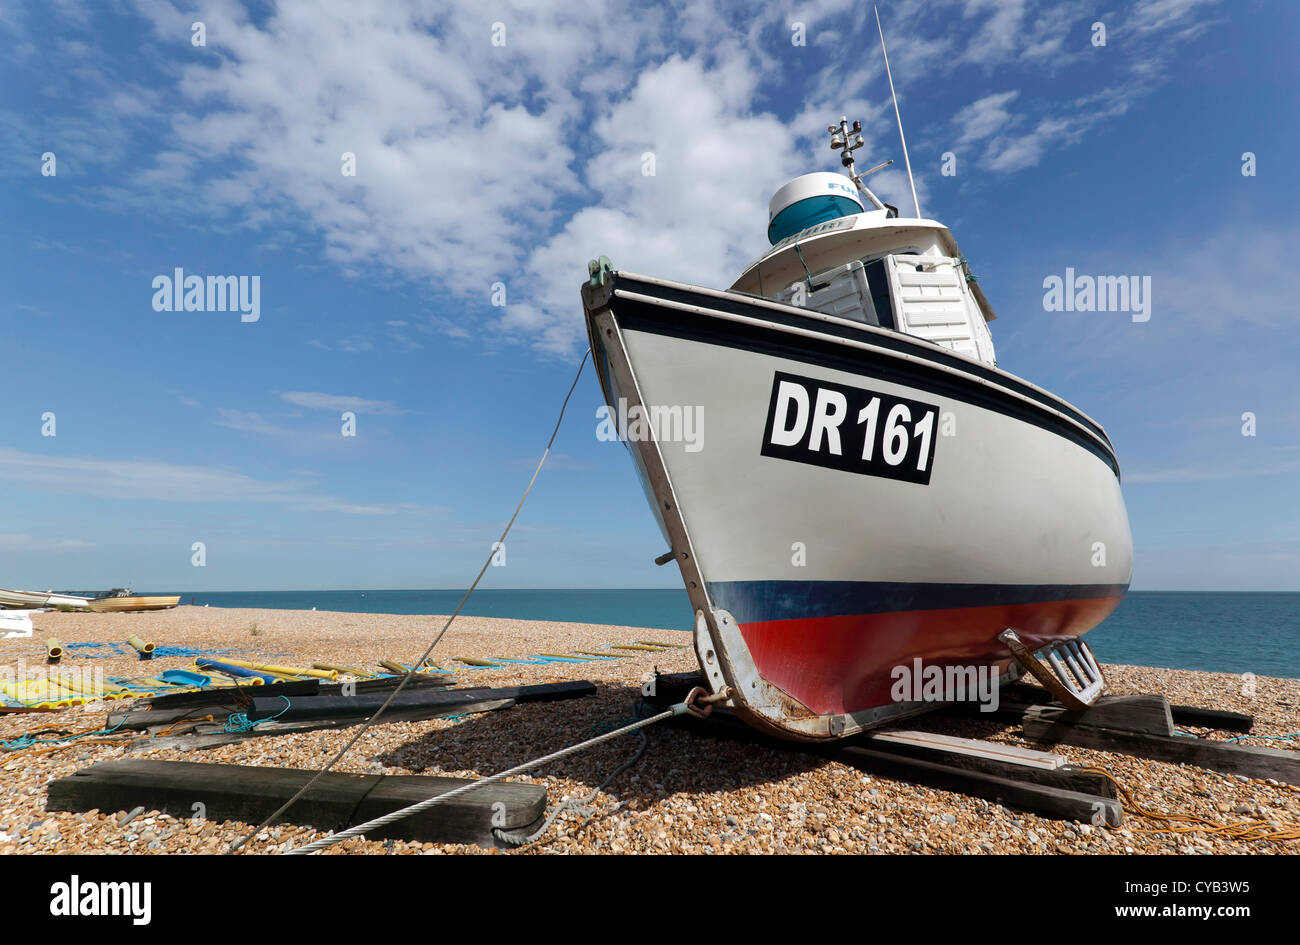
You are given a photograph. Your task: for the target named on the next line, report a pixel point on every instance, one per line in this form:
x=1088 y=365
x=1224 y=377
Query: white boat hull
x=814 y=572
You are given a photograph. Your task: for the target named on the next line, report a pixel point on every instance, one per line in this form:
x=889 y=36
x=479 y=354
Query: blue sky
x=514 y=163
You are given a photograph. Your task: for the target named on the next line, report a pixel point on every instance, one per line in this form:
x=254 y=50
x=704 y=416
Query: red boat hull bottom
x=845 y=664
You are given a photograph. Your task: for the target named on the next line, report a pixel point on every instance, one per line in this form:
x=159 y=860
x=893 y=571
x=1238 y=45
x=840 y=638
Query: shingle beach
x=687 y=794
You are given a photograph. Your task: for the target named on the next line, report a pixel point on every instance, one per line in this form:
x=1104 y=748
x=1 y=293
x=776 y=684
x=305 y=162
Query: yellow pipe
x=617 y=656
x=145 y=649
x=473 y=661
x=284 y=670
x=674 y=646
x=53 y=651
x=392 y=667
x=342 y=669
x=636 y=646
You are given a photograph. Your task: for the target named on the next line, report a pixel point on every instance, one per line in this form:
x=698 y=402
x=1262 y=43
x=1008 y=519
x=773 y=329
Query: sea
x=1218 y=631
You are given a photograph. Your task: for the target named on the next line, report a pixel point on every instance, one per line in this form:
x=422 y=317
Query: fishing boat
x=22 y=599
x=33 y=599
x=868 y=499
x=119 y=602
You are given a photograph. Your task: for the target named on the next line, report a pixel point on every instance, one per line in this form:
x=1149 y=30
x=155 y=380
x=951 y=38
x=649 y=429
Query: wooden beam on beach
x=336 y=801
x=209 y=734
x=1063 y=793
x=329 y=703
x=1017 y=699
x=1019 y=791
x=1227 y=757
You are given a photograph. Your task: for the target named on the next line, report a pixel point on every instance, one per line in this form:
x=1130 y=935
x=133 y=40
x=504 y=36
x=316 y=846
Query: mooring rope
x=235 y=847
x=1278 y=830
x=680 y=709
x=579 y=805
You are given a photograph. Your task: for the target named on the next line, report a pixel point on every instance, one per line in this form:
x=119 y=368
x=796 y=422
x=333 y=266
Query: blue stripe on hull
x=762 y=601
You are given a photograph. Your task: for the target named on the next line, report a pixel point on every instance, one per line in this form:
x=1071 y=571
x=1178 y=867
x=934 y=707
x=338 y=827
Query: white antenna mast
x=915 y=203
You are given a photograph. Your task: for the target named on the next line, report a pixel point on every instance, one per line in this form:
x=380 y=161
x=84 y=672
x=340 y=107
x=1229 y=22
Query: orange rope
x=1259 y=830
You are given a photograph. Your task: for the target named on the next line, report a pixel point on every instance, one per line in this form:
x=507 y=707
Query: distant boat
x=66 y=600
x=31 y=599
x=115 y=605
x=22 y=599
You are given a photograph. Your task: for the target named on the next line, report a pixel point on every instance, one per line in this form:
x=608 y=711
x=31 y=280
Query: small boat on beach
x=34 y=599
x=25 y=600
x=873 y=498
x=121 y=600
x=117 y=605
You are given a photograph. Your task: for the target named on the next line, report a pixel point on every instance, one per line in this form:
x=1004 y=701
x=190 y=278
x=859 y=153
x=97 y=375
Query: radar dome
x=809 y=200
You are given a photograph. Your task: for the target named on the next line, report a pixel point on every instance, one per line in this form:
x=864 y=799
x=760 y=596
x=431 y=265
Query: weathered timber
x=224 y=694
x=329 y=703
x=1019 y=792
x=363 y=706
x=1230 y=758
x=1017 y=699
x=210 y=735
x=1066 y=777
x=1146 y=715
x=337 y=800
x=1063 y=793
x=951 y=744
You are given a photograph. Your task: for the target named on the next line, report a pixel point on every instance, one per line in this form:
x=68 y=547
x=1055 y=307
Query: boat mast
x=898 y=117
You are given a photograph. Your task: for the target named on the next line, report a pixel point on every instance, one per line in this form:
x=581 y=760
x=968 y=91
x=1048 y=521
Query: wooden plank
x=1041 y=799
x=337 y=800
x=1010 y=754
x=222 y=694
x=1017 y=699
x=1216 y=756
x=334 y=705
x=1068 y=777
x=1146 y=714
x=1062 y=793
x=363 y=706
x=209 y=735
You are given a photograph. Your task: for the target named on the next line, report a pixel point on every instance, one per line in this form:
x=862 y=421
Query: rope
x=680 y=709
x=1198 y=824
x=425 y=658
x=238 y=722
x=23 y=742
x=580 y=806
x=1277 y=738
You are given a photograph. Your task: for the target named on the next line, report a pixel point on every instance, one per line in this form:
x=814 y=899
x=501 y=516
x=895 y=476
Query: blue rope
x=26 y=741
x=1280 y=738
x=238 y=722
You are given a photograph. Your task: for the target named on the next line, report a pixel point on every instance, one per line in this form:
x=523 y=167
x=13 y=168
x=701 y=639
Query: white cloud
x=13 y=542
x=157 y=481
x=338 y=402
x=983 y=117
x=700 y=217
x=476 y=163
